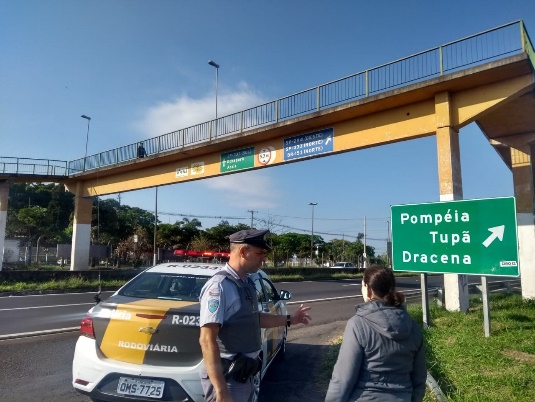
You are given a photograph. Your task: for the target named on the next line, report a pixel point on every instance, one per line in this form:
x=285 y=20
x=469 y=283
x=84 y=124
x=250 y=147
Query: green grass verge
x=75 y=283
x=470 y=367
x=81 y=283
x=467 y=365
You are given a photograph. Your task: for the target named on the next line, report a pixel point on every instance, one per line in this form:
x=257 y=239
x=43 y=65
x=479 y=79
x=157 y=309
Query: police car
x=142 y=343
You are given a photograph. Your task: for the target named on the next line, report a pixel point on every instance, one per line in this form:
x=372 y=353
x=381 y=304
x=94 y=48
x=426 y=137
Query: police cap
x=253 y=237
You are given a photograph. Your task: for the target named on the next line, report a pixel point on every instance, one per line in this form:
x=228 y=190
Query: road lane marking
x=38 y=333
x=58 y=305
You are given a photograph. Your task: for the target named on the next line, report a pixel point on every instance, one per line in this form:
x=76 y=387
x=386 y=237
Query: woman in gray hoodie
x=382 y=357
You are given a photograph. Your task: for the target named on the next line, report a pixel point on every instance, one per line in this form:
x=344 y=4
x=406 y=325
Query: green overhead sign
x=237 y=160
x=474 y=237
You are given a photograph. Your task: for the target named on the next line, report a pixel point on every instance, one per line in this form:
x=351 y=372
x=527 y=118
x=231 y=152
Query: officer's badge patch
x=213 y=305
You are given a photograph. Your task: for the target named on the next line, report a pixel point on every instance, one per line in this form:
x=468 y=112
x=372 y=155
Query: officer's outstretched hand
x=300 y=316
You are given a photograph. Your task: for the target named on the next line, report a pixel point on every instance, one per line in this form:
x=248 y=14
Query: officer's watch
x=288 y=320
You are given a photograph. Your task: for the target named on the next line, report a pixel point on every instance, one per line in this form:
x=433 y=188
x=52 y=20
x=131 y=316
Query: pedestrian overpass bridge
x=487 y=78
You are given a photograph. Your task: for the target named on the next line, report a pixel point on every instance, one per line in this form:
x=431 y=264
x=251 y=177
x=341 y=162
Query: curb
x=432 y=384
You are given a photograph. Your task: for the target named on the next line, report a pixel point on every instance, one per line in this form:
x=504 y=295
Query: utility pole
x=312 y=204
x=252 y=215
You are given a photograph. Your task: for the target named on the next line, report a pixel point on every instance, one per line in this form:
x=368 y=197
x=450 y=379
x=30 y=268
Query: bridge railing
x=476 y=49
x=36 y=167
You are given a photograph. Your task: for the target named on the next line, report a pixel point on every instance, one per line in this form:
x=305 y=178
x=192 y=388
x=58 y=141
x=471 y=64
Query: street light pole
x=214 y=64
x=365 y=256
x=313 y=204
x=86 y=136
x=155 y=256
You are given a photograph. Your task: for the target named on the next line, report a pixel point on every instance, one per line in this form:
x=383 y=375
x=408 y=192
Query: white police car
x=142 y=343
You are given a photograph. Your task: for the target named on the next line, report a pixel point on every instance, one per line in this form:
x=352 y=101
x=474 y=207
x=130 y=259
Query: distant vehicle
x=142 y=343
x=343 y=264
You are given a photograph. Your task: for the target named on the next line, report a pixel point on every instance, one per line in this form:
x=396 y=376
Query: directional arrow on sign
x=329 y=138
x=496 y=233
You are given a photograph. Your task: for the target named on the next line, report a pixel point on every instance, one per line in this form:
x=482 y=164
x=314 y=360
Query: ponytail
x=382 y=282
x=394 y=298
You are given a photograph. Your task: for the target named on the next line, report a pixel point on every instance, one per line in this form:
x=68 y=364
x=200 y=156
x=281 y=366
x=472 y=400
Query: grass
x=80 y=283
x=471 y=367
x=74 y=283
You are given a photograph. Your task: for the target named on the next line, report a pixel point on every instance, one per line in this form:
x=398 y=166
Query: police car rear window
x=153 y=285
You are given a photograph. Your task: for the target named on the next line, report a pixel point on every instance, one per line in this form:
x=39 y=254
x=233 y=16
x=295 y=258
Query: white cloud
x=185 y=111
x=252 y=189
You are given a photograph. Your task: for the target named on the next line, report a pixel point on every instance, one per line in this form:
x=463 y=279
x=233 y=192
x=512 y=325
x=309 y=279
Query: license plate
x=140 y=387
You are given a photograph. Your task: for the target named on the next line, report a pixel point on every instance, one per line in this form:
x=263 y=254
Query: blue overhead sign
x=305 y=145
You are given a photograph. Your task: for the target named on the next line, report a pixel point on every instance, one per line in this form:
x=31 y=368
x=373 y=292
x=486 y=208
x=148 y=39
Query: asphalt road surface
x=23 y=314
x=39 y=368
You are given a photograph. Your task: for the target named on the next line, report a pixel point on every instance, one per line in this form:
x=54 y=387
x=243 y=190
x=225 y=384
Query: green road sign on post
x=473 y=237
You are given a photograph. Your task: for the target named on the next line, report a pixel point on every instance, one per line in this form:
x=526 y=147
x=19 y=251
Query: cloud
x=252 y=189
x=185 y=111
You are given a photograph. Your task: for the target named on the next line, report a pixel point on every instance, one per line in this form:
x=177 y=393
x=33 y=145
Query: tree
x=188 y=231
x=219 y=234
x=131 y=218
x=135 y=252
x=270 y=223
x=344 y=250
x=202 y=243
x=52 y=197
x=286 y=245
x=35 y=220
x=59 y=210
x=168 y=235
x=106 y=214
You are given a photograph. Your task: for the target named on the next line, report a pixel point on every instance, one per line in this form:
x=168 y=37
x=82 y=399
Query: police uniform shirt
x=219 y=301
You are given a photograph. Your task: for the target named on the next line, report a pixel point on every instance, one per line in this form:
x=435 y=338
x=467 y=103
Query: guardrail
x=33 y=167
x=507 y=286
x=476 y=49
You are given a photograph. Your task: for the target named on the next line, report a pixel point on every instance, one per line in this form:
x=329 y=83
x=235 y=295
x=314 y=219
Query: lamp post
x=155 y=256
x=313 y=204
x=214 y=64
x=86 y=136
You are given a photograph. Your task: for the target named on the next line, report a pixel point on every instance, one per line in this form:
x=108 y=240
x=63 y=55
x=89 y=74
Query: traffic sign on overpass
x=237 y=160
x=475 y=237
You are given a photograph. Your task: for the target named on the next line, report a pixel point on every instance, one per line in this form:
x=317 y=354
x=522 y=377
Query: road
x=39 y=367
x=24 y=314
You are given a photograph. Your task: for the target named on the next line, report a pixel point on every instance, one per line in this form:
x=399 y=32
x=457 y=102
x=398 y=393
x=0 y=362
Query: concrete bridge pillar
x=523 y=172
x=4 y=194
x=81 y=234
x=451 y=188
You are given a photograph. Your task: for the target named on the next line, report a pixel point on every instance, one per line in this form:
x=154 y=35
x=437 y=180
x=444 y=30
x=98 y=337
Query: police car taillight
x=86 y=327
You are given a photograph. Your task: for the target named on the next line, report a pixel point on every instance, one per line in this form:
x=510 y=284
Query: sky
x=140 y=69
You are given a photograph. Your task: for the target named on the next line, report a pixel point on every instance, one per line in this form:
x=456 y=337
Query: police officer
x=230 y=321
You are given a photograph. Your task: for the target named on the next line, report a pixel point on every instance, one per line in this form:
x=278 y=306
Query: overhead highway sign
x=310 y=144
x=237 y=160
